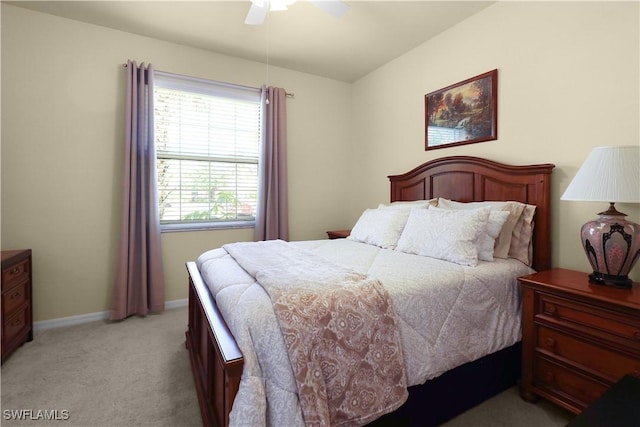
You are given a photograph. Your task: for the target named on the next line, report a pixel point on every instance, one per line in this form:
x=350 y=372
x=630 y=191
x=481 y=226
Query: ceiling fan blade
x=256 y=14
x=336 y=8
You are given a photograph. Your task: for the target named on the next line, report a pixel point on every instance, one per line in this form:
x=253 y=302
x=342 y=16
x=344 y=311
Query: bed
x=218 y=363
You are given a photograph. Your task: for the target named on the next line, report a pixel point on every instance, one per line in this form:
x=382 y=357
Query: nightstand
x=16 y=319
x=578 y=339
x=338 y=234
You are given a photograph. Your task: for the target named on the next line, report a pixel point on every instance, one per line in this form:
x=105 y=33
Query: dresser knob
x=550 y=343
x=14 y=270
x=548 y=376
x=552 y=309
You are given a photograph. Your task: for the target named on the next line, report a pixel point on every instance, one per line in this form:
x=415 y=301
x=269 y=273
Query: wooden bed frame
x=216 y=360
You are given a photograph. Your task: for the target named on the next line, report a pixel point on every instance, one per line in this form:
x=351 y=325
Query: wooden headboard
x=472 y=179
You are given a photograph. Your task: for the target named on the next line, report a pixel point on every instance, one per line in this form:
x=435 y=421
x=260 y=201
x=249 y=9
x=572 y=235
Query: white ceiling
x=303 y=38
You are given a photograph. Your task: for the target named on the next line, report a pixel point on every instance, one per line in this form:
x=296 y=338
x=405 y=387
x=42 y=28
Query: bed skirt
x=458 y=390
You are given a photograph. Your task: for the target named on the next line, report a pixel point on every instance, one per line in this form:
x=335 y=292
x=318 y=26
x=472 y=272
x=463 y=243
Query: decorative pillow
x=521 y=238
x=409 y=205
x=451 y=204
x=503 y=241
x=380 y=227
x=450 y=235
x=487 y=239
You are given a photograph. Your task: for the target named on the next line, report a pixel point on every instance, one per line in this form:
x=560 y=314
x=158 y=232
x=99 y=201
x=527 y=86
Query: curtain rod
x=288 y=94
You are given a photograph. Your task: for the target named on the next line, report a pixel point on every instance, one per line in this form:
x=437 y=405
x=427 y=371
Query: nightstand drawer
x=598 y=360
x=566 y=384
x=15 y=274
x=588 y=319
x=14 y=297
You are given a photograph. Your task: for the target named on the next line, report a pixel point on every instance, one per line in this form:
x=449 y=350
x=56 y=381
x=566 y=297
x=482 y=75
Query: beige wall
x=62 y=124
x=568 y=81
x=568 y=76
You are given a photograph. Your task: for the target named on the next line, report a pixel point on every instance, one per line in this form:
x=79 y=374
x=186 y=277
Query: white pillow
x=452 y=204
x=380 y=227
x=409 y=205
x=487 y=242
x=503 y=241
x=487 y=239
x=450 y=235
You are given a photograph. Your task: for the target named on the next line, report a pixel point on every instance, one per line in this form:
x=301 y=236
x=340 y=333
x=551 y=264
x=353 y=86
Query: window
x=208 y=146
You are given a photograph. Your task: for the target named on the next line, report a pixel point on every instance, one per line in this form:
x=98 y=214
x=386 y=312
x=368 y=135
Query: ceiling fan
x=258 y=11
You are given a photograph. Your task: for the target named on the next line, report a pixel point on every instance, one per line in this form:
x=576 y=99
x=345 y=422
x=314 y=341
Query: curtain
x=272 y=218
x=139 y=281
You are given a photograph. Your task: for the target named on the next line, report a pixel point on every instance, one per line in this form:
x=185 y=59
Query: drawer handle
x=16 y=322
x=552 y=309
x=14 y=270
x=15 y=295
x=550 y=343
x=548 y=376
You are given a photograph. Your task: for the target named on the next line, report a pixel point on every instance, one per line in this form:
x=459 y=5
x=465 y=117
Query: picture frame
x=462 y=113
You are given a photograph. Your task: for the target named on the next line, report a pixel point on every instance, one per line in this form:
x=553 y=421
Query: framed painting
x=463 y=113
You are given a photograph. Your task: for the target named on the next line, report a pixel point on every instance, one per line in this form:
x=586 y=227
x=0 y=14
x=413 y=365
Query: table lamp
x=612 y=244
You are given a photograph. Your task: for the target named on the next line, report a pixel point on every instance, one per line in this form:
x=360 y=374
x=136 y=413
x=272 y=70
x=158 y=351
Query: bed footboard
x=216 y=360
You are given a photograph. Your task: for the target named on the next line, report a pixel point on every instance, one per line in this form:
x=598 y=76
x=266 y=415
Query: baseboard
x=176 y=303
x=91 y=317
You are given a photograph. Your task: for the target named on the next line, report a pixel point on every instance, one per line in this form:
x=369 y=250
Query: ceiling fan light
x=278 y=5
x=259 y=8
x=257 y=12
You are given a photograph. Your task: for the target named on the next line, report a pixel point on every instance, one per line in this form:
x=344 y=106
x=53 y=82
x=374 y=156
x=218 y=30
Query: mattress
x=448 y=315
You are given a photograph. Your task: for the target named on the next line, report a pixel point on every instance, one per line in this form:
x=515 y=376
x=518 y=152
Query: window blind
x=207 y=146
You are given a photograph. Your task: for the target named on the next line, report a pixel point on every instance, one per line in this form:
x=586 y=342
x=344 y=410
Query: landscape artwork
x=463 y=113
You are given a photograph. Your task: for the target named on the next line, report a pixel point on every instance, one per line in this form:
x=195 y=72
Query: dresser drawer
x=597 y=360
x=14 y=298
x=14 y=325
x=16 y=304
x=588 y=319
x=569 y=386
x=14 y=274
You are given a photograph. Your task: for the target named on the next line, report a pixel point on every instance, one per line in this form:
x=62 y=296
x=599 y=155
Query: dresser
x=17 y=321
x=578 y=338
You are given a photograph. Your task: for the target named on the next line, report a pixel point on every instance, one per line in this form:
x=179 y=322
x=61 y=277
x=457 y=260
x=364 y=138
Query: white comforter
x=448 y=314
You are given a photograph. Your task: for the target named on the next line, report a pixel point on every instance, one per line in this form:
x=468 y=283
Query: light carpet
x=130 y=373
x=137 y=373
